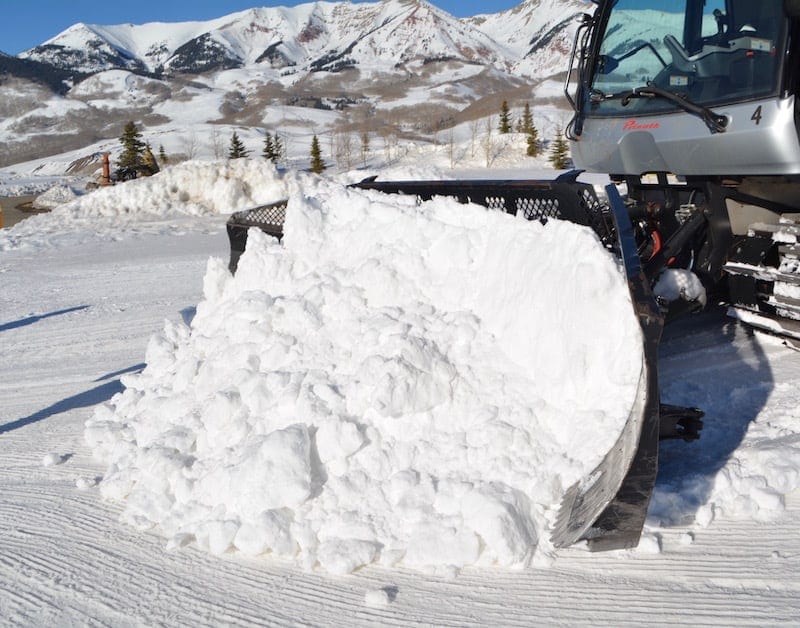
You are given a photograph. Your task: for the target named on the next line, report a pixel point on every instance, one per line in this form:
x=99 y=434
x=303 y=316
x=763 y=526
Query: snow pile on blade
x=393 y=384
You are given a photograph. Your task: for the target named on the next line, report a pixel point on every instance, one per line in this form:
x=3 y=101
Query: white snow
x=371 y=383
x=52 y=459
x=187 y=189
x=377 y=598
x=55 y=196
x=676 y=283
x=191 y=188
x=312 y=386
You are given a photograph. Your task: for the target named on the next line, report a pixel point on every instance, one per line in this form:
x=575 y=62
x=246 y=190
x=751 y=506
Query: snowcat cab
x=693 y=105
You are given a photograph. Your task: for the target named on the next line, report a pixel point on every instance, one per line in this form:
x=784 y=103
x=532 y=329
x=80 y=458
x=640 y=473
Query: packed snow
x=368 y=390
x=381 y=393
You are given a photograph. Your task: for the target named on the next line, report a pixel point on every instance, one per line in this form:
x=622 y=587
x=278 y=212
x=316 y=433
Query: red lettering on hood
x=633 y=125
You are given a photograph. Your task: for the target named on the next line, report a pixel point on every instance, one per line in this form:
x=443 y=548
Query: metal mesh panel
x=494 y=202
x=599 y=216
x=538 y=208
x=590 y=199
x=273 y=214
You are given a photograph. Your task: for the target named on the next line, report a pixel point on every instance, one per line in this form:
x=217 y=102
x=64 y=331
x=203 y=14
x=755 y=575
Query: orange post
x=106 y=179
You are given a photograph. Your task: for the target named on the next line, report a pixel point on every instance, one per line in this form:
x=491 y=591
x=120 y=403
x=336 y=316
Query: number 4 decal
x=756 y=117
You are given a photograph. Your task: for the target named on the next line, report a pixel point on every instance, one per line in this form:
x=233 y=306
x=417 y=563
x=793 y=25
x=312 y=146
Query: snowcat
x=692 y=108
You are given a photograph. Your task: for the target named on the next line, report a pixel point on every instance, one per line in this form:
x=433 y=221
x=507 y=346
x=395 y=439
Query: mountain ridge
x=318 y=36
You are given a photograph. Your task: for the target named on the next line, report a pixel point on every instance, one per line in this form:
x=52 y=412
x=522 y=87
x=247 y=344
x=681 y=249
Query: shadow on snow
x=716 y=364
x=23 y=322
x=86 y=399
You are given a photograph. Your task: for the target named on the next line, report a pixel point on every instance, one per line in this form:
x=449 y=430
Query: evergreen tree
x=526 y=123
x=559 y=153
x=237 y=149
x=273 y=148
x=130 y=161
x=162 y=155
x=269 y=148
x=317 y=164
x=149 y=165
x=505 y=118
x=533 y=147
x=277 y=148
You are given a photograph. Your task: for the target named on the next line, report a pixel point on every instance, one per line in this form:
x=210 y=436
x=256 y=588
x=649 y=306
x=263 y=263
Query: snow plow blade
x=609 y=507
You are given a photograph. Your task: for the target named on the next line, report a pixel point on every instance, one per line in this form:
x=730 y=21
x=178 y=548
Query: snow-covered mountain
x=55 y=77
x=539 y=33
x=321 y=36
x=392 y=67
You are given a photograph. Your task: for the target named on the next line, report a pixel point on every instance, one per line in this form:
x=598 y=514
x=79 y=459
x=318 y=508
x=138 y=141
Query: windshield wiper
x=715 y=122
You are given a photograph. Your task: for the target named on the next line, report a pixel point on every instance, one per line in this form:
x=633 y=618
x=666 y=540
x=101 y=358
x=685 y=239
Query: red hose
x=657 y=244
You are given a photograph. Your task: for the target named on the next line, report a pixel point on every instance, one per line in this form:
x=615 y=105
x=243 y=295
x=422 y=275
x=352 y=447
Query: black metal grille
x=538 y=208
x=268 y=218
x=272 y=215
x=494 y=202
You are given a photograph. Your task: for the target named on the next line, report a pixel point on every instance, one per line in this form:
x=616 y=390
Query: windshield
x=710 y=51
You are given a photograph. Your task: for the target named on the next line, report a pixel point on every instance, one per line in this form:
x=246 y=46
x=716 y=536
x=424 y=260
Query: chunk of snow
x=183 y=191
x=377 y=598
x=686 y=538
x=674 y=284
x=53 y=459
x=84 y=484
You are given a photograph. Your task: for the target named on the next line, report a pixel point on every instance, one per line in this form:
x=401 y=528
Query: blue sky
x=27 y=23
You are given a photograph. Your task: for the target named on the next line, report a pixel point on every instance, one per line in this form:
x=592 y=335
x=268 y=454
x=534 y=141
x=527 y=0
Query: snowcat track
x=764 y=278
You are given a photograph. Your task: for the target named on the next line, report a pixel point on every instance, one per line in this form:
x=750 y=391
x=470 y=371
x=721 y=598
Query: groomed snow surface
x=373 y=422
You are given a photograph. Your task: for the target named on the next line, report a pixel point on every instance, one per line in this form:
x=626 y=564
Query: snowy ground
x=80 y=300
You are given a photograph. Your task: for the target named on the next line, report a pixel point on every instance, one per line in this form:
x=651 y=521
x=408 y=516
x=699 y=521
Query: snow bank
x=195 y=188
x=393 y=384
x=188 y=189
x=55 y=196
